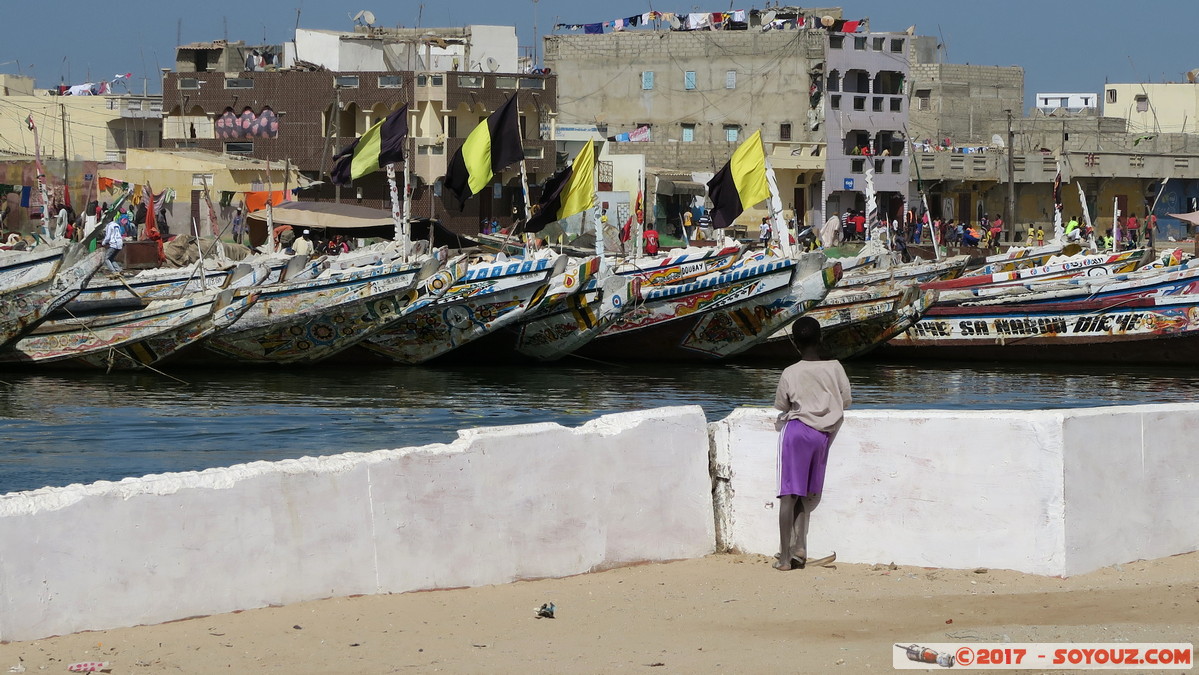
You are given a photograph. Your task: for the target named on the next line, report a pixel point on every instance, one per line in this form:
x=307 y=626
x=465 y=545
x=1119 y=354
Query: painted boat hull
x=308 y=321
x=21 y=311
x=717 y=316
x=21 y=269
x=129 y=340
x=489 y=297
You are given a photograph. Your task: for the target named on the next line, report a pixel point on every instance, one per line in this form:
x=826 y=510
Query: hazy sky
x=1072 y=46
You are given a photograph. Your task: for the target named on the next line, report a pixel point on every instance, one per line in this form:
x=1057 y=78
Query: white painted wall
x=495 y=506
x=1049 y=492
x=320 y=47
x=497 y=42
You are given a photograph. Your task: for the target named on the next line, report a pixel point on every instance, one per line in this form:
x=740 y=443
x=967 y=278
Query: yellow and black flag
x=381 y=145
x=493 y=145
x=570 y=191
x=740 y=184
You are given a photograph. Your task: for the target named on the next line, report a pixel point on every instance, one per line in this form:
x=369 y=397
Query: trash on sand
x=89 y=667
x=546 y=611
x=19 y=668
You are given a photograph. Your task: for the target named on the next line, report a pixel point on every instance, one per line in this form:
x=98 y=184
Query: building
x=305 y=100
x=685 y=99
x=1072 y=103
x=1171 y=107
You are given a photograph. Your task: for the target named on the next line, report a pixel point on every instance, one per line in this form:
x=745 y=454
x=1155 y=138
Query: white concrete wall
x=1049 y=492
x=497 y=42
x=497 y=505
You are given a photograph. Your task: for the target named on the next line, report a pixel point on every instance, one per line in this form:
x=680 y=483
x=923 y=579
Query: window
x=785 y=131
x=647 y=79
x=532 y=83
x=878 y=44
x=470 y=81
x=897 y=166
x=857 y=166
x=346 y=81
x=506 y=82
x=437 y=80
x=834 y=81
x=876 y=104
x=859 y=102
x=239 y=83
x=1142 y=103
x=239 y=148
x=426 y=80
x=688 y=133
x=836 y=41
x=835 y=101
x=434 y=149
x=689 y=80
x=201 y=179
x=535 y=153
x=730 y=79
x=896 y=104
x=859 y=43
x=451 y=126
x=897 y=46
x=390 y=81
x=422 y=80
x=193 y=83
x=732 y=133
x=1111 y=94
x=878 y=166
x=924 y=99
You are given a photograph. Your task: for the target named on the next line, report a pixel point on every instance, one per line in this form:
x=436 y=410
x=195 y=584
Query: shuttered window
x=647 y=79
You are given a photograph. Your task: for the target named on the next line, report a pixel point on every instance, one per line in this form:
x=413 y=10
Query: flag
x=381 y=145
x=740 y=184
x=567 y=192
x=493 y=145
x=626 y=230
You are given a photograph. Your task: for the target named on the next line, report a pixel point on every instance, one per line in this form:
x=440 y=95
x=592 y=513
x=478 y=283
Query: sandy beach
x=722 y=613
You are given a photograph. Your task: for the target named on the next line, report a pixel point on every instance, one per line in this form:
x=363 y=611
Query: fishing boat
x=918 y=271
x=1018 y=257
x=1149 y=316
x=1102 y=264
x=854 y=321
x=128 y=340
x=717 y=315
x=23 y=308
x=678 y=265
x=310 y=320
x=491 y=294
x=19 y=269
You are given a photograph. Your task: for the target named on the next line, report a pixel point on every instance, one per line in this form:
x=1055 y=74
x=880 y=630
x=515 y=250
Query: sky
x=1073 y=46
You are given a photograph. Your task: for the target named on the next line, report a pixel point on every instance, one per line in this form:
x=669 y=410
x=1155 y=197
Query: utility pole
x=1010 y=216
x=65 y=161
x=336 y=134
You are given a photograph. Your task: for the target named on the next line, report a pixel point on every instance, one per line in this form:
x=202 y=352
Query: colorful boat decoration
x=1150 y=318
x=113 y=290
x=23 y=309
x=919 y=271
x=718 y=315
x=854 y=321
x=129 y=340
x=1103 y=264
x=680 y=265
x=562 y=328
x=19 y=269
x=489 y=296
x=307 y=321
x=1021 y=258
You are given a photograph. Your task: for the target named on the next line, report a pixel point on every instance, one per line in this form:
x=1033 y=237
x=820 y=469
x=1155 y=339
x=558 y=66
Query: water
x=58 y=429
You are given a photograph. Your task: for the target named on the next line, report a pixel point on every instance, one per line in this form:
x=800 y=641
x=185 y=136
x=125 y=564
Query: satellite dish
x=768 y=17
x=492 y=64
x=357 y=16
x=1192 y=74
x=369 y=17
x=827 y=21
x=997 y=140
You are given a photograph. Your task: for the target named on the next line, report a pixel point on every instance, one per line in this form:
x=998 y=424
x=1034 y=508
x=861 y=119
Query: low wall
x=1049 y=492
x=497 y=505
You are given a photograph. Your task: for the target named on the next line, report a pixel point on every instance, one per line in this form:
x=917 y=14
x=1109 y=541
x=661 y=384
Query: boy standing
x=812 y=396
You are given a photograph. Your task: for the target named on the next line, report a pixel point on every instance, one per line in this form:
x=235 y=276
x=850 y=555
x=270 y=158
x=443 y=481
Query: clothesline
x=737 y=19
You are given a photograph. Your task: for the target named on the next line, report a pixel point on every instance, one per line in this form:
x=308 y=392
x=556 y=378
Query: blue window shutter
x=647 y=79
x=689 y=79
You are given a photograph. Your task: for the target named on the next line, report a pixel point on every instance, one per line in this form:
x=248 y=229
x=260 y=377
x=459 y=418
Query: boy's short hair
x=805 y=331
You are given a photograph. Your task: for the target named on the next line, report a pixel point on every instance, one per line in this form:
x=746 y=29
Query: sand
x=723 y=613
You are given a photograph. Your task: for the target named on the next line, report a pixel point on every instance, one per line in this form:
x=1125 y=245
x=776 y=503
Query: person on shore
x=303 y=245
x=651 y=241
x=1040 y=236
x=811 y=398
x=764 y=232
x=287 y=238
x=114 y=241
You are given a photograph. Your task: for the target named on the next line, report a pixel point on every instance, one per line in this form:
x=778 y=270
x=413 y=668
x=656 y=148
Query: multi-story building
x=303 y=101
x=686 y=99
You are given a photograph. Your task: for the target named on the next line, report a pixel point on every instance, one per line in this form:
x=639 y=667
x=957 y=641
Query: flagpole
x=1116 y=225
x=599 y=222
x=781 y=230
x=41 y=177
x=639 y=220
x=270 y=204
x=1059 y=232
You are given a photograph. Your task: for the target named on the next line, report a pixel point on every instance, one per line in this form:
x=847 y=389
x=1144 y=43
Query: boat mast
x=781 y=230
x=43 y=189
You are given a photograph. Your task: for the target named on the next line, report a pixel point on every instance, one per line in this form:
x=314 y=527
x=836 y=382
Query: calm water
x=78 y=428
